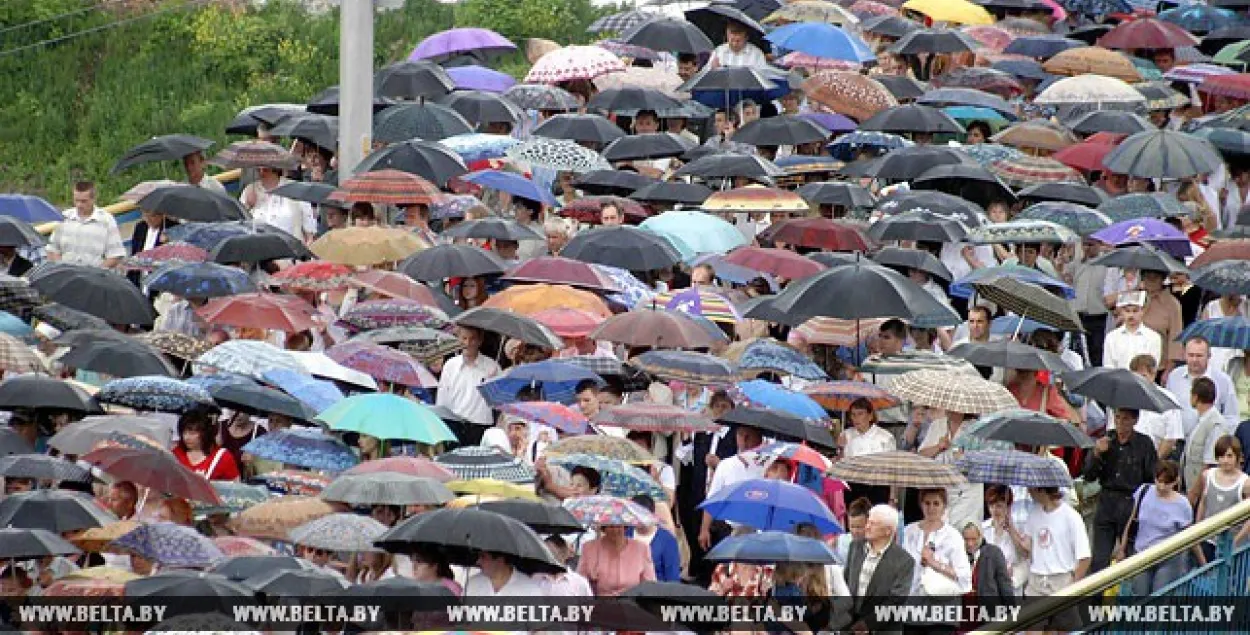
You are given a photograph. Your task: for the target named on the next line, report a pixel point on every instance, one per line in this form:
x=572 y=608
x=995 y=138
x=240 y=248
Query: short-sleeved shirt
x=87 y=241
x=750 y=55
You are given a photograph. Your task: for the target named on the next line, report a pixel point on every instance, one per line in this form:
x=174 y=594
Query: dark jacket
x=19 y=266
x=891 y=582
x=140 y=237
x=993 y=578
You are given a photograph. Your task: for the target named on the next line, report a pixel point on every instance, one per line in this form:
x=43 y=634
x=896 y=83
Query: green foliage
x=164 y=66
x=564 y=22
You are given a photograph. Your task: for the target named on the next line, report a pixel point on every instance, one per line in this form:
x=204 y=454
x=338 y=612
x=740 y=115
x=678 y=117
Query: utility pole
x=355 y=84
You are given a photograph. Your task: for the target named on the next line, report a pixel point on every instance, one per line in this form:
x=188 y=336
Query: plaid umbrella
x=838 y=395
x=647 y=417
x=275 y=518
x=160 y=394
x=383 y=363
x=251 y=358
x=687 y=366
x=303 y=447
x=376 y=314
x=339 y=532
x=902 y=469
x=609 y=511
x=170 y=545
x=604 y=446
x=473 y=462
x=952 y=392
x=17 y=357
x=619 y=22
x=16 y=295
x=255 y=154
x=1013 y=467
x=1233 y=332
x=556 y=415
x=314 y=276
x=167 y=254
x=387 y=186
x=1031 y=301
x=617 y=477
x=175 y=344
x=909 y=361
x=297 y=482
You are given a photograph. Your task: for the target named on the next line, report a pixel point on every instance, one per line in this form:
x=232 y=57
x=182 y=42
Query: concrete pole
x=355 y=83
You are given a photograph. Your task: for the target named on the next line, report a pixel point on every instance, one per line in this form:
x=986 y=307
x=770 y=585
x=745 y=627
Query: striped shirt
x=88 y=241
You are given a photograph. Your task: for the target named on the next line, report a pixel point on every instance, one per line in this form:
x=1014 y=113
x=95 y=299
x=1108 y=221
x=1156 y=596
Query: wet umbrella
x=541 y=97
x=912 y=118
x=618 y=182
x=861 y=290
x=448 y=261
x=1013 y=467
x=308 y=192
x=20 y=544
x=1226 y=278
x=303 y=447
x=115 y=355
x=1041 y=46
x=510 y=324
x=1110 y=121
x=199 y=280
x=687 y=366
x=1144 y=257
x=554 y=380
x=670 y=192
x=1163 y=154
x=770 y=355
x=285 y=313
x=386 y=416
x=480 y=78
x=493 y=229
x=907 y=163
x=268 y=244
x=170 y=545
x=1118 y=388
x=970 y=182
x=151 y=466
x=382 y=363
x=1147 y=33
x=482 y=462
x=558 y=155
x=1027 y=427
x=57 y=511
x=260 y=400
x=41 y=467
x=913 y=259
x=326 y=103
x=779 y=425
x=1031 y=301
x=902 y=87
x=573 y=63
x=889 y=25
x=15 y=232
x=320 y=130
x=966 y=97
x=1142 y=205
x=668 y=34
x=462 y=534
x=413 y=80
x=730 y=165
x=712 y=21
x=951 y=391
x=481 y=108
x=295 y=582
x=625 y=247
x=629 y=100
x=933 y=41
x=837 y=193
x=579 y=127
x=514 y=184
x=1064 y=192
x=771 y=548
x=1078 y=218
x=646 y=146
x=541 y=517
x=431 y=121
x=427 y=159
x=164 y=148
x=448 y=43
x=1009 y=354
x=653 y=328
x=919 y=224
x=780 y=130
x=36 y=391
x=99 y=292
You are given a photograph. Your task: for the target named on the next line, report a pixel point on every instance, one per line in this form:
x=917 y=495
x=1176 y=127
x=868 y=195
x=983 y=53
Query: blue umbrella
x=13 y=325
x=200 y=280
x=554 y=380
x=31 y=209
x=633 y=291
x=987 y=153
x=480 y=78
x=1231 y=332
x=962 y=288
x=1010 y=325
x=1024 y=69
x=821 y=40
x=1201 y=18
x=1142 y=205
x=154 y=393
x=771 y=504
x=205 y=235
x=767 y=354
x=848 y=146
x=693 y=232
x=170 y=545
x=687 y=366
x=387 y=416
x=317 y=393
x=772 y=547
x=1225 y=277
x=303 y=447
x=967 y=97
x=1013 y=467
x=964 y=114
x=514 y=184
x=617 y=478
x=763 y=394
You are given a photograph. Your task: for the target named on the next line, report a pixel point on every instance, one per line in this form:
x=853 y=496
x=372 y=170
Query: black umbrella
x=240 y=568
x=462 y=534
x=15 y=232
x=423 y=121
x=656 y=145
x=55 y=510
x=698 y=152
x=100 y=292
x=963 y=210
x=1009 y=354
x=482 y=108
x=776 y=424
x=906 y=163
x=1223 y=36
x=543 y=518
x=631 y=99
x=511 y=324
x=1041 y=46
x=837 y=193
x=391 y=590
x=413 y=80
x=259 y=400
x=1118 y=121
x=171 y=147
x=889 y=25
x=117 y=356
x=197 y=591
x=1064 y=192
x=728 y=78
x=580 y=128
x=306 y=191
x=913 y=259
x=250 y=118
x=299 y=583
x=269 y=243
x=430 y=160
x=912 y=118
x=713 y=19
x=729 y=165
x=934 y=41
x=452 y=261
x=782 y=130
x=901 y=86
x=612 y=182
x=192 y=203
x=19 y=544
x=1026 y=427
x=1118 y=388
x=493 y=229
x=67 y=319
x=38 y=391
x=320 y=130
x=669 y=34
x=326 y=102
x=673 y=192
x=1145 y=257
x=919 y=224
x=862 y=290
x=13 y=443
x=967 y=181
x=42 y=466
x=625 y=247
x=1089 y=33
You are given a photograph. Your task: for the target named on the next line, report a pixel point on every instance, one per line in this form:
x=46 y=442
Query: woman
x=865 y=437
x=978 y=132
x=942 y=568
x=1162 y=314
x=240 y=431
x=998 y=531
x=1029 y=393
x=802 y=584
x=471 y=293
x=991 y=580
x=1159 y=512
x=742 y=579
x=370 y=567
x=197 y=447
x=1226 y=306
x=426 y=567
x=294 y=217
x=1220 y=488
x=613 y=562
x=1239 y=372
x=370 y=447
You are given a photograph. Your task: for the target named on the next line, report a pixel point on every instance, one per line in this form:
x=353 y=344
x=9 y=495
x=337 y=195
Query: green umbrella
x=387 y=416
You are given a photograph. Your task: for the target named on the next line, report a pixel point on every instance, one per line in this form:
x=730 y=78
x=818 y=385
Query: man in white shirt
x=499 y=578
x=733 y=470
x=89 y=235
x=1058 y=549
x=1198 y=364
x=194 y=165
x=737 y=50
x=462 y=374
x=1132 y=338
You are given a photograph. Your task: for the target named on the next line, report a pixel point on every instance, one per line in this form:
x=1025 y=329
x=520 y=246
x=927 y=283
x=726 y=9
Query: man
x=856 y=528
x=122 y=499
x=687 y=66
x=699 y=459
x=737 y=50
x=149 y=232
x=588 y=399
x=1089 y=282
x=891 y=337
x=12 y=263
x=1164 y=428
x=462 y=374
x=731 y=471
x=1200 y=445
x=1132 y=338
x=417 y=217
x=498 y=576
x=1055 y=541
x=702 y=276
x=89 y=235
x=1198 y=364
x=750 y=111
x=610 y=216
x=194 y=165
x=1121 y=462
x=1165 y=59
x=878 y=570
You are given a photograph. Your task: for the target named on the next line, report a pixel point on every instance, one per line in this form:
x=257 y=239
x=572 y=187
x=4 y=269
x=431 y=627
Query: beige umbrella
x=953 y=392
x=899 y=469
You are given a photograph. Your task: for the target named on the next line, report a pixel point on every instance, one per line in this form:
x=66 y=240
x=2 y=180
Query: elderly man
x=877 y=570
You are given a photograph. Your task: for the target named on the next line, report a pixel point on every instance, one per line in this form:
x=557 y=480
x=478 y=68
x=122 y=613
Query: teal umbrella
x=694 y=233
x=387 y=416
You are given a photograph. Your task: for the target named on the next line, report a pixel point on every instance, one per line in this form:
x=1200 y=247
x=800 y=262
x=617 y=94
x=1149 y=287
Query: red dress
x=219 y=465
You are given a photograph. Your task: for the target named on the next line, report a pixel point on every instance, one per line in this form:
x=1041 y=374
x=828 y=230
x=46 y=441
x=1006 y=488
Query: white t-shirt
x=1121 y=346
x=750 y=55
x=735 y=469
x=1058 y=540
x=948 y=549
x=1160 y=426
x=871 y=442
x=519 y=585
x=293 y=217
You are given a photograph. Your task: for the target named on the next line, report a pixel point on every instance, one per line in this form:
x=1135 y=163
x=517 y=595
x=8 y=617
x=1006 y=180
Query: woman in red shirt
x=198 y=449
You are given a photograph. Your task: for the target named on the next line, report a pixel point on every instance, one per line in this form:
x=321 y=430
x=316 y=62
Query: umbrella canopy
x=625 y=247
x=429 y=120
x=107 y=351
x=772 y=547
x=851 y=94
x=553 y=380
x=1119 y=388
x=446 y=261
x=561 y=271
x=861 y=290
x=152 y=467
x=902 y=469
x=170 y=545
x=99 y=292
x=480 y=78
x=955 y=393
x=687 y=366
x=541 y=97
x=15 y=232
x=912 y=118
x=1144 y=256
x=30 y=209
x=767 y=504
x=541 y=517
x=1147 y=33
x=1012 y=467
x=482 y=108
x=303 y=447
x=779 y=425
x=693 y=232
x=617 y=478
x=155 y=393
x=285 y=313
x=247 y=357
x=18 y=544
x=1031 y=301
x=412 y=80
x=447 y=43
x=584 y=128
x=558 y=154
x=820 y=233
x=464 y=533
x=609 y=511
x=1078 y=218
x=1009 y=354
x=383 y=363
x=838 y=395
x=1092 y=60
x=771 y=355
x=428 y=159
x=555 y=415
x=384 y=186
x=171 y=147
x=199 y=280
x=268 y=244
x=1225 y=278
x=56 y=511
x=1163 y=154
x=654 y=329
x=654 y=418
x=762 y=394
x=339 y=532
x=35 y=391
x=822 y=40
x=934 y=41
x=387 y=416
x=955 y=11
x=1027 y=427
x=275 y=518
x=668 y=34
x=482 y=462
x=510 y=324
x=572 y=63
x=366 y=246
x=40 y=466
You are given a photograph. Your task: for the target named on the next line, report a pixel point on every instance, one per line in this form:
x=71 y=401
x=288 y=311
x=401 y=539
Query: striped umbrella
x=1233 y=332
x=836 y=332
x=902 y=469
x=952 y=392
x=387 y=186
x=838 y=395
x=1026 y=170
x=649 y=417
x=1031 y=301
x=698 y=302
x=477 y=462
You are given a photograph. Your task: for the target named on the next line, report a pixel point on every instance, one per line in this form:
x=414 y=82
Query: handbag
x=1130 y=531
x=934 y=583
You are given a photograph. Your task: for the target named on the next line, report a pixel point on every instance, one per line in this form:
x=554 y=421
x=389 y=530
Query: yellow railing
x=1092 y=587
x=121 y=207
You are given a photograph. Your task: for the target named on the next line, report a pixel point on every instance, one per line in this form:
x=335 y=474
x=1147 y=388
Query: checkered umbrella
x=838 y=395
x=473 y=462
x=952 y=392
x=17 y=357
x=915 y=360
x=16 y=295
x=1013 y=467
x=647 y=417
x=1031 y=301
x=903 y=469
x=170 y=545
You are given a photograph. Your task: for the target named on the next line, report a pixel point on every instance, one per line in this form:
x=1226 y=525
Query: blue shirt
x=665 y=557
x=1180 y=383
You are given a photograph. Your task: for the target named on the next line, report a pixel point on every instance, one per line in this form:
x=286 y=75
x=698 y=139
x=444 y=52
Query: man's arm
x=114 y=250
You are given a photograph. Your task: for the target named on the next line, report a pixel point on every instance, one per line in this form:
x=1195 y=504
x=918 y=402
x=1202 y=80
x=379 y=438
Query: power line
x=54 y=18
x=102 y=27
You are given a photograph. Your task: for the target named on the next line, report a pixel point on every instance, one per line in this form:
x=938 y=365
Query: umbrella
x=619 y=22
x=851 y=94
x=649 y=146
x=1092 y=92
x=919 y=224
x=15 y=232
x=447 y=43
x=296 y=482
x=1028 y=170
x=617 y=182
x=81 y=436
x=1022 y=231
x=381 y=362
x=771 y=355
x=954 y=11
x=541 y=97
x=1225 y=278
x=339 y=532
x=246 y=357
x=303 y=447
x=820 y=233
x=573 y=62
x=480 y=78
x=687 y=366
x=387 y=416
x=1026 y=427
x=1078 y=218
x=912 y=118
x=971 y=182
x=39 y=466
x=779 y=130
x=1163 y=154
x=631 y=99
x=156 y=393
x=430 y=121
x=17 y=357
x=461 y=534
x=559 y=155
x=609 y=511
x=260 y=400
x=1147 y=33
x=1041 y=46
x=667 y=34
x=107 y=351
x=326 y=103
x=553 y=380
x=269 y=244
x=296 y=582
x=905 y=163
x=561 y=271
x=952 y=392
x=772 y=547
x=260 y=310
x=1144 y=257
x=1118 y=388
x=485 y=462
x=1092 y=60
x=1012 y=467
x=1032 y=301
x=779 y=425
x=1142 y=205
x=1009 y=354
x=174 y=344
x=164 y=148
x=513 y=184
x=428 y=159
x=481 y=108
x=384 y=186
x=1114 y=121
x=837 y=193
x=933 y=41
x=902 y=469
x=582 y=128
x=170 y=545
x=555 y=415
x=762 y=394
x=30 y=209
x=169 y=253
x=255 y=154
x=625 y=247
x=654 y=418
x=412 y=80
x=729 y=165
x=861 y=290
x=33 y=543
x=838 y=395
x=99 y=292
x=617 y=478
x=543 y=518
x=235 y=497
x=654 y=329
x=314 y=276
x=700 y=304
x=319 y=129
x=274 y=518
x=199 y=280
x=1064 y=192
x=822 y=40
x=510 y=324
x=57 y=511
x=770 y=505
x=693 y=232
x=34 y=391
x=153 y=467
x=446 y=261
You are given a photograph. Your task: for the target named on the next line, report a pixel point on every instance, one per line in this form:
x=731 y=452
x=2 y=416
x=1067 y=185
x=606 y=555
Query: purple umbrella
x=480 y=78
x=831 y=121
x=1147 y=230
x=454 y=41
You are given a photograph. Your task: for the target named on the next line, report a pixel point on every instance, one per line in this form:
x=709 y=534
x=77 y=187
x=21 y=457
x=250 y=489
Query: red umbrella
x=586 y=210
x=1086 y=155
x=822 y=233
x=566 y=271
x=1236 y=86
x=154 y=468
x=169 y=253
x=315 y=276
x=655 y=328
x=571 y=323
x=779 y=262
x=410 y=465
x=260 y=310
x=395 y=285
x=1147 y=33
x=1220 y=251
x=387 y=186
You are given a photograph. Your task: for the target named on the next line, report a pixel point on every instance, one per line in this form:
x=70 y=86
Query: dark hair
x=587 y=384
x=361 y=209
x=978 y=308
x=937 y=491
x=895 y=327
x=84 y=186
x=683 y=58
x=443 y=569
x=1226 y=443
x=646 y=113
x=1203 y=390
x=859 y=507
x=1133 y=412
x=861 y=403
x=760 y=285
x=996 y=493
x=590 y=474
x=733 y=26
x=199 y=418
x=645 y=502
x=1046 y=340
x=1168 y=471
x=533 y=206
x=1198 y=338
x=720 y=395
x=612 y=389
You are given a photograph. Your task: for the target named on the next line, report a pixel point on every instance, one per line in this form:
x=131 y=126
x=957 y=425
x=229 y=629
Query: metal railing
x=1225 y=576
x=125 y=207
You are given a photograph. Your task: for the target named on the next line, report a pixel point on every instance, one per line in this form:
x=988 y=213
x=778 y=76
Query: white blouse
x=948 y=549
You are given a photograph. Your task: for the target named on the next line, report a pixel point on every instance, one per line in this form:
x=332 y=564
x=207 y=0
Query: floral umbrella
x=617 y=477
x=991 y=37
x=167 y=254
x=560 y=155
x=273 y=519
x=573 y=62
x=381 y=362
x=339 y=532
x=987 y=153
x=376 y=314
x=851 y=94
x=310 y=448
x=170 y=545
x=604 y=446
x=155 y=393
x=251 y=358
x=609 y=511
x=314 y=276
x=541 y=97
x=235 y=497
x=981 y=78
